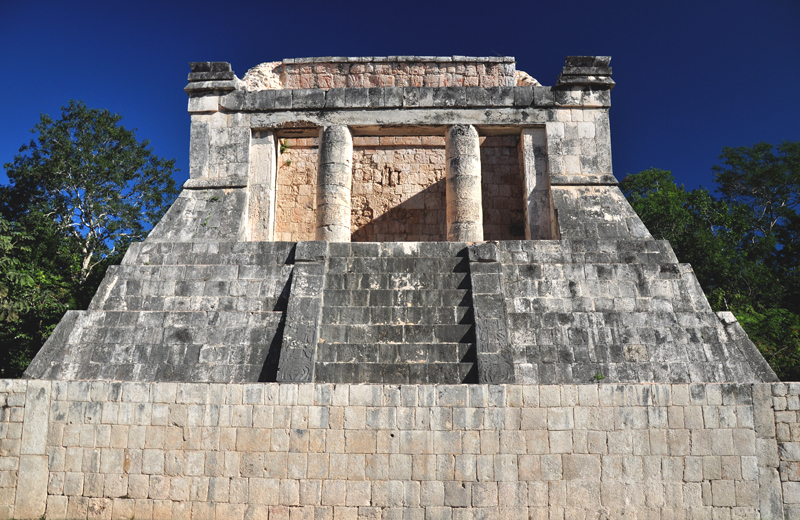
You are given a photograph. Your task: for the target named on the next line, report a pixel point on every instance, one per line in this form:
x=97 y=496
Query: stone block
x=35 y=427
x=31 y=497
x=308 y=98
x=724 y=493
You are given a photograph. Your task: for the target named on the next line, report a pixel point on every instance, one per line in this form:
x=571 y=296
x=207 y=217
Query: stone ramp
x=616 y=311
x=397 y=313
x=205 y=312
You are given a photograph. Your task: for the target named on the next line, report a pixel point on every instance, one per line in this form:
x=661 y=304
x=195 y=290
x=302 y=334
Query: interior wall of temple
x=398 y=191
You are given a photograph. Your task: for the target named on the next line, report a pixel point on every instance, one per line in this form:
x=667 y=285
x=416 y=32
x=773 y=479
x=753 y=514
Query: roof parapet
x=591 y=71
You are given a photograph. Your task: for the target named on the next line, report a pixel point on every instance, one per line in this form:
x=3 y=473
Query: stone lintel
x=203 y=183
x=585 y=93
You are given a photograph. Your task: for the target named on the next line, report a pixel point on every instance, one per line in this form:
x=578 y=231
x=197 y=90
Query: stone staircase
x=397 y=313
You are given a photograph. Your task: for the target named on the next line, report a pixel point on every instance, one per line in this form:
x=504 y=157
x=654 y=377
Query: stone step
x=398 y=333
x=397 y=249
x=397 y=315
x=395 y=353
x=401 y=298
x=397 y=265
x=421 y=373
x=397 y=281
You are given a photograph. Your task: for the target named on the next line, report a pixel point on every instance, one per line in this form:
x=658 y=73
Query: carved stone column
x=464 y=209
x=335 y=179
x=539 y=208
x=261 y=183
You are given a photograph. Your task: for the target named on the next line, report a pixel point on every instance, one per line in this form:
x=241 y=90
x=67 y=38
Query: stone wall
x=297 y=183
x=502 y=189
x=163 y=450
x=398 y=189
x=397 y=71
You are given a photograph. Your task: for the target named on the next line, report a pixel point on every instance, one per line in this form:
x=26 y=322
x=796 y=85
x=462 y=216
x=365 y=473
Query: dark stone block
x=502 y=96
x=449 y=97
x=325 y=373
x=368 y=373
x=365 y=249
x=523 y=97
x=418 y=374
x=211 y=76
x=308 y=98
x=486 y=283
x=410 y=96
x=478 y=97
x=356 y=97
x=283 y=99
x=543 y=97
x=381 y=298
x=260 y=100
x=394 y=374
x=393 y=96
x=426 y=96
x=200 y=66
x=454 y=333
x=219 y=66
x=375 y=97
x=335 y=98
x=388 y=353
x=234 y=100
x=419 y=334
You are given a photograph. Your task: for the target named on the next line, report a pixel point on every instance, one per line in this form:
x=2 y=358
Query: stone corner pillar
x=539 y=208
x=261 y=188
x=464 y=205
x=334 y=183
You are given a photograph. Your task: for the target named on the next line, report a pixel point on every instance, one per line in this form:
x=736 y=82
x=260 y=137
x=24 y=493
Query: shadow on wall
x=421 y=218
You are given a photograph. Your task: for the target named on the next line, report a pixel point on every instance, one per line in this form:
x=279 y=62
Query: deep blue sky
x=692 y=76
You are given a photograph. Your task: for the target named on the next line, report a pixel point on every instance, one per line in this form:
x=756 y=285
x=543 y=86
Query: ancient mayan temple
x=402 y=288
x=400 y=220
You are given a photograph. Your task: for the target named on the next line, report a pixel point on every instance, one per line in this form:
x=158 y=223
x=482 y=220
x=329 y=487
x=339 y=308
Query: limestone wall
x=297 y=183
x=397 y=71
x=398 y=191
x=164 y=450
x=502 y=191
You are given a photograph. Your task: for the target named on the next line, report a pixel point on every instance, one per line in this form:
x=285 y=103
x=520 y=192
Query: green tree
x=33 y=296
x=80 y=192
x=94 y=179
x=743 y=245
x=767 y=182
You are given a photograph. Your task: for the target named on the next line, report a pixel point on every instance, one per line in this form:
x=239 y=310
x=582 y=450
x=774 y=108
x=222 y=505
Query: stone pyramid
x=400 y=219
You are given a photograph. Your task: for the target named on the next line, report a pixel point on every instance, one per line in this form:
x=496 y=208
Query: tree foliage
x=742 y=243
x=93 y=178
x=80 y=192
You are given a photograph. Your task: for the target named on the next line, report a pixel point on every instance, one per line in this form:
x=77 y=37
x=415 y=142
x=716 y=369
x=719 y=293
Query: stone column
x=464 y=209
x=335 y=179
x=539 y=208
x=261 y=184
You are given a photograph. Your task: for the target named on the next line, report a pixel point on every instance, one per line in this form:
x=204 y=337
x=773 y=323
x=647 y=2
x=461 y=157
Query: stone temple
x=400 y=220
x=401 y=288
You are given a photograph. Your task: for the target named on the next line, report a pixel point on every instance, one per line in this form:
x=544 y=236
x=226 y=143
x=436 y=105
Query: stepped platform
x=400 y=288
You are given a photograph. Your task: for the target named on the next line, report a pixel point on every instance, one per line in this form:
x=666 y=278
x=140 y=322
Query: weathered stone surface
x=31 y=488
x=392 y=450
x=464 y=208
x=420 y=150
x=334 y=184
